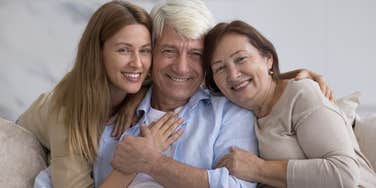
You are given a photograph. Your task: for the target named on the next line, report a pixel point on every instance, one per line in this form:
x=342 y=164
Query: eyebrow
x=130 y=45
x=232 y=55
x=216 y=62
x=122 y=43
x=146 y=45
x=167 y=46
x=174 y=46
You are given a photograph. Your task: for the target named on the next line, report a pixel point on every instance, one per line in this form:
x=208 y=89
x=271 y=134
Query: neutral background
x=38 y=40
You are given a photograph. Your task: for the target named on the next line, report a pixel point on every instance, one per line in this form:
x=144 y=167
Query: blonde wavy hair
x=83 y=95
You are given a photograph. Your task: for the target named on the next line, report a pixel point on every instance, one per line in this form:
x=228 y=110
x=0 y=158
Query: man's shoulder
x=214 y=98
x=222 y=104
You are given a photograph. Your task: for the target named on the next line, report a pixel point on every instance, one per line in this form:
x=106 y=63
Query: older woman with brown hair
x=304 y=140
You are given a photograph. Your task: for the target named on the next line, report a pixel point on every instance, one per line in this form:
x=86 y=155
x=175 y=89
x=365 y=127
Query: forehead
x=170 y=37
x=230 y=43
x=233 y=41
x=134 y=33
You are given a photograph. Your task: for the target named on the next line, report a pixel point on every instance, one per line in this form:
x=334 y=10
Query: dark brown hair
x=214 y=36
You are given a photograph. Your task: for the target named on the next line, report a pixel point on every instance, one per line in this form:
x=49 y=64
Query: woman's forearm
x=117 y=179
x=272 y=173
x=291 y=74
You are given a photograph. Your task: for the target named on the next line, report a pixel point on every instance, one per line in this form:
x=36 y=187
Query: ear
x=269 y=61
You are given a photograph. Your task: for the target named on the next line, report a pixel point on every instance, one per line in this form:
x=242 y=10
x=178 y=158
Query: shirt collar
x=144 y=106
x=200 y=95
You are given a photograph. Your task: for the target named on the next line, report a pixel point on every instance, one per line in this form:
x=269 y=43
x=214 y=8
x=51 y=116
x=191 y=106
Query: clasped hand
x=135 y=154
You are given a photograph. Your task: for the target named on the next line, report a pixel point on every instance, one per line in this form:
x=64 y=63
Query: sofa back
x=21 y=156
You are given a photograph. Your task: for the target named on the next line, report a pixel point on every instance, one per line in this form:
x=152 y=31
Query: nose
x=181 y=65
x=136 y=60
x=232 y=72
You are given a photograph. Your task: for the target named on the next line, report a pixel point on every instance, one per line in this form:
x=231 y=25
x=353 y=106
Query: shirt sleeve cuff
x=220 y=177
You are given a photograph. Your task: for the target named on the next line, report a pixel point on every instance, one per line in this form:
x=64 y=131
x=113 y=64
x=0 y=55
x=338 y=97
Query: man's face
x=177 y=67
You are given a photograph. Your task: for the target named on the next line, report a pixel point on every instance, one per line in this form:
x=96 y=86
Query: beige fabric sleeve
x=67 y=170
x=325 y=141
x=71 y=172
x=35 y=119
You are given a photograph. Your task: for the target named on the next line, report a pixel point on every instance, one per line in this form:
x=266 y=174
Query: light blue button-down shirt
x=212 y=124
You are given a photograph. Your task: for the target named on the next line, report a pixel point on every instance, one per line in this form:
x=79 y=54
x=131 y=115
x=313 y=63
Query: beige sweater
x=67 y=170
x=309 y=131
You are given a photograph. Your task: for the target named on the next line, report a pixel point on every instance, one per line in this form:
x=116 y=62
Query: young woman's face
x=240 y=71
x=127 y=58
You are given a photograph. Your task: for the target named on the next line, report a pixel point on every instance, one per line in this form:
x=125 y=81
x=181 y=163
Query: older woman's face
x=240 y=71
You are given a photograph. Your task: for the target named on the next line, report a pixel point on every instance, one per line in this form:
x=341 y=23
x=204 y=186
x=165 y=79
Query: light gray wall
x=38 y=42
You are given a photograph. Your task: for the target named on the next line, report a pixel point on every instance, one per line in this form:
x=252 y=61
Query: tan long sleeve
x=331 y=160
x=310 y=132
x=67 y=170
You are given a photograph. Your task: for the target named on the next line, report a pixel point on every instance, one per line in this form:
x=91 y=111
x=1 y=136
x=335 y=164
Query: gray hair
x=190 y=18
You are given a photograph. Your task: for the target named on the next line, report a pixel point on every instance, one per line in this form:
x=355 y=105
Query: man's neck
x=165 y=104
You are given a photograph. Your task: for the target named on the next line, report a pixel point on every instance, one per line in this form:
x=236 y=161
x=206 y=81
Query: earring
x=271 y=72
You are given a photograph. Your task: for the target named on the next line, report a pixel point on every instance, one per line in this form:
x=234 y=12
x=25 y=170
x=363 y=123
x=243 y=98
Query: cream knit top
x=308 y=130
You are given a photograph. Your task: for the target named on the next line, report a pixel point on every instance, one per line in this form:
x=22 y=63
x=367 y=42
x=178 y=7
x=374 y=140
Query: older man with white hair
x=212 y=124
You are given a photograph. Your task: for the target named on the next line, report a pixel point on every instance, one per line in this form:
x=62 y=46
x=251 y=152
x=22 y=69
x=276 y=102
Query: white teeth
x=178 y=79
x=240 y=85
x=132 y=75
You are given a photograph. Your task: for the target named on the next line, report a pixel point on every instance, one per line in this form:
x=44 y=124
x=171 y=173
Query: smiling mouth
x=132 y=76
x=179 y=78
x=240 y=85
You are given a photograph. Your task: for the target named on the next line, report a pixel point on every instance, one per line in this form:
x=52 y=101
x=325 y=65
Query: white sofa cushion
x=21 y=156
x=348 y=105
x=365 y=131
x=364 y=126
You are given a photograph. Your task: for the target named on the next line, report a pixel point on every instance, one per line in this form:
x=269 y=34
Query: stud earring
x=271 y=72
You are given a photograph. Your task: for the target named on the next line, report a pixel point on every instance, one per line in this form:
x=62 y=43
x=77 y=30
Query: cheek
x=147 y=62
x=111 y=60
x=256 y=70
x=108 y=66
x=262 y=66
x=198 y=68
x=161 y=64
x=220 y=82
x=114 y=66
x=155 y=70
x=200 y=72
x=263 y=72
